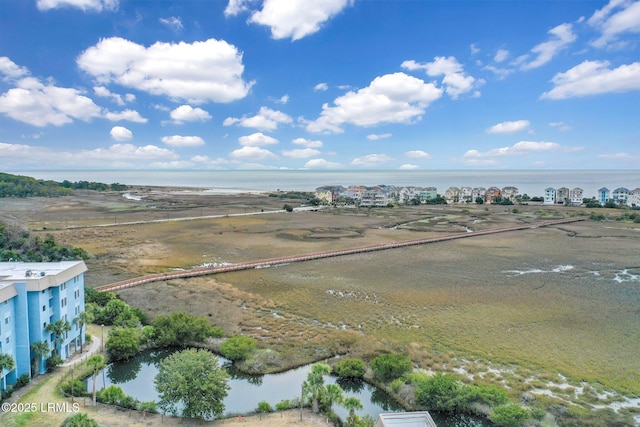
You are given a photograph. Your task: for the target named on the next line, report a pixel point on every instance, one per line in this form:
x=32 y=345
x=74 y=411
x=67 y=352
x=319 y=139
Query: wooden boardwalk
x=270 y=262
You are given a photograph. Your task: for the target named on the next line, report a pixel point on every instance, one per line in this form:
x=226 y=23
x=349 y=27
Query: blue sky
x=322 y=84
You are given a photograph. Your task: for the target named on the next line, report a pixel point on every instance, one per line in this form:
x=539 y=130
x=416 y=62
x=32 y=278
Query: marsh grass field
x=552 y=311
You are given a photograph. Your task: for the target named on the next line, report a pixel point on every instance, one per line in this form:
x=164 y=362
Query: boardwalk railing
x=270 y=262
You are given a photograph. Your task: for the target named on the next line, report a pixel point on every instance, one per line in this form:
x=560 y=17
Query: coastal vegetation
x=25 y=186
x=540 y=314
x=17 y=244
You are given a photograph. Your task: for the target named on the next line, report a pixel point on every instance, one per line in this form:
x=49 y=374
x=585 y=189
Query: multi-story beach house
x=428 y=193
x=620 y=196
x=465 y=194
x=32 y=296
x=491 y=194
x=452 y=195
x=634 y=198
x=562 y=196
x=549 y=196
x=329 y=193
x=575 y=196
x=603 y=195
x=510 y=193
x=478 y=192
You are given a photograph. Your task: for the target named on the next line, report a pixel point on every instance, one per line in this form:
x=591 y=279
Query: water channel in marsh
x=136 y=378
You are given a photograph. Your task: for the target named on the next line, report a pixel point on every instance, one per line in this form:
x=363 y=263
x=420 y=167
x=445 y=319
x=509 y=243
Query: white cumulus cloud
x=594 y=78
x=11 y=69
x=85 y=5
x=509 y=127
x=120 y=133
x=376 y=137
x=183 y=141
x=455 y=80
x=266 y=120
x=186 y=113
x=371 y=160
x=301 y=153
x=307 y=143
x=197 y=72
x=417 y=154
x=257 y=140
x=391 y=98
x=252 y=153
x=321 y=87
x=322 y=164
x=293 y=19
x=128 y=115
x=41 y=104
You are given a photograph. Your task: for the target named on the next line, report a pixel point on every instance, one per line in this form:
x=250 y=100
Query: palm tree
x=352 y=403
x=314 y=385
x=6 y=362
x=95 y=363
x=84 y=318
x=333 y=394
x=39 y=349
x=58 y=328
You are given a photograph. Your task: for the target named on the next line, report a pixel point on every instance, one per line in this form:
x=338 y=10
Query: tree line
x=24 y=186
x=17 y=244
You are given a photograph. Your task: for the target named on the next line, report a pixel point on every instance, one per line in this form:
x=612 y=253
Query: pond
x=136 y=377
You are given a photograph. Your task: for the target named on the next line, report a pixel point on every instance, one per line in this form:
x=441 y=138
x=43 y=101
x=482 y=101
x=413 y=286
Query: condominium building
x=32 y=296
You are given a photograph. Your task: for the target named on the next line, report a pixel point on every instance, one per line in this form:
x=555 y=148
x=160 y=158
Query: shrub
x=53 y=362
x=111 y=395
x=509 y=415
x=80 y=420
x=441 y=392
x=180 y=329
x=285 y=404
x=75 y=388
x=149 y=407
x=264 y=407
x=350 y=368
x=22 y=381
x=238 y=347
x=388 y=367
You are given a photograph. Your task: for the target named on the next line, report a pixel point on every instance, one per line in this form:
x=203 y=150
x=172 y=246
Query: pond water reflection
x=136 y=378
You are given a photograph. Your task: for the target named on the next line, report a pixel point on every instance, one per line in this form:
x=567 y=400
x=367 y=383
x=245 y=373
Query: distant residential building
x=428 y=193
x=466 y=194
x=549 y=196
x=405 y=419
x=634 y=198
x=32 y=296
x=491 y=194
x=452 y=195
x=374 y=196
x=329 y=193
x=478 y=192
x=603 y=195
x=575 y=196
x=355 y=192
x=510 y=193
x=620 y=196
x=562 y=196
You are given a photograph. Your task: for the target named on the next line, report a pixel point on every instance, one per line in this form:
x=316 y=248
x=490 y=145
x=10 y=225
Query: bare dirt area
x=531 y=309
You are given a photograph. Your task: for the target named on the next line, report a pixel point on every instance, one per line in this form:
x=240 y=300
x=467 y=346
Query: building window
x=8 y=340
x=7 y=320
x=44 y=308
x=44 y=325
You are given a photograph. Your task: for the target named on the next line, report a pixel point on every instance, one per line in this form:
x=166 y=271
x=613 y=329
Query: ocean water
x=531 y=182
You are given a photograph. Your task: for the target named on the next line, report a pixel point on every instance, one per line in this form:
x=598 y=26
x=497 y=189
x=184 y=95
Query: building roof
x=405 y=419
x=39 y=275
